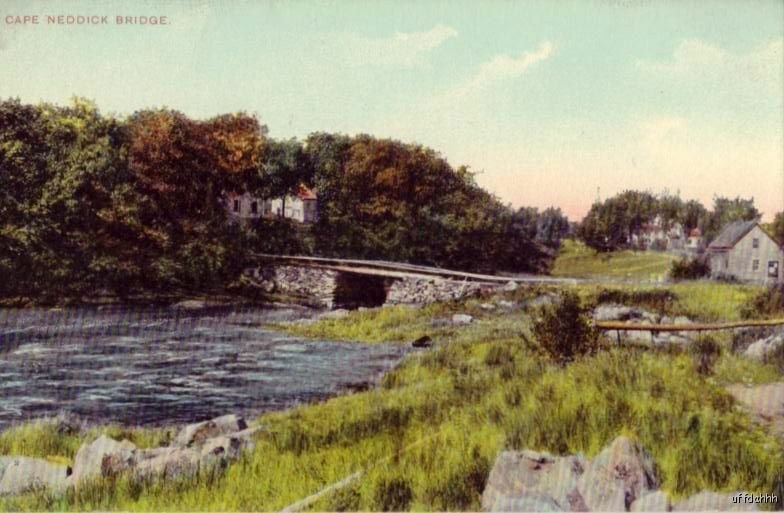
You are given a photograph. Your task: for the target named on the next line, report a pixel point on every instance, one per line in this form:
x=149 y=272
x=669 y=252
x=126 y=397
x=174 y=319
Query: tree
x=727 y=210
x=778 y=227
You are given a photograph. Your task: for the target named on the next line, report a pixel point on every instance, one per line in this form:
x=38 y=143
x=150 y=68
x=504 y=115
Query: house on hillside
x=301 y=206
x=655 y=235
x=745 y=252
x=695 y=243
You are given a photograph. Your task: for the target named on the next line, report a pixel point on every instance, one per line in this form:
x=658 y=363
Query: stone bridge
x=340 y=283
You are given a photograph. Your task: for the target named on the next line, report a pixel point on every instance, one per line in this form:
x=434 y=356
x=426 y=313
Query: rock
x=528 y=480
x=101 y=457
x=616 y=313
x=462 y=319
x=507 y=304
x=334 y=314
x=617 y=476
x=544 y=300
x=24 y=474
x=650 y=318
x=198 y=433
x=656 y=501
x=168 y=462
x=764 y=348
x=190 y=304
x=766 y=402
x=487 y=306
x=510 y=286
x=666 y=320
x=712 y=501
x=538 y=503
x=681 y=319
x=423 y=341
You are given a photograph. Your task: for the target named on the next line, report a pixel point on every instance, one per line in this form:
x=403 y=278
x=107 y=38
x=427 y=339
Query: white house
x=745 y=252
x=301 y=206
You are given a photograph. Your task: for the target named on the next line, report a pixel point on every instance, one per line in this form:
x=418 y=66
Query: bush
x=767 y=303
x=657 y=299
x=393 y=494
x=706 y=351
x=693 y=269
x=564 y=331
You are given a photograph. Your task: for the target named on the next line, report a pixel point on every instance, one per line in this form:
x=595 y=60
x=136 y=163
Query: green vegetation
x=137 y=206
x=613 y=223
x=564 y=331
x=689 y=269
x=769 y=302
x=427 y=436
x=577 y=260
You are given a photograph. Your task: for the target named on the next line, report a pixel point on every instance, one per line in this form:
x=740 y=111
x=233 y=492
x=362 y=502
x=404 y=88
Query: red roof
x=695 y=233
x=305 y=194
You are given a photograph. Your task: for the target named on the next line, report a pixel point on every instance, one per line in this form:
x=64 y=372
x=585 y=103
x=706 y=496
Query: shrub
x=657 y=299
x=564 y=331
x=706 y=351
x=767 y=303
x=393 y=494
x=685 y=269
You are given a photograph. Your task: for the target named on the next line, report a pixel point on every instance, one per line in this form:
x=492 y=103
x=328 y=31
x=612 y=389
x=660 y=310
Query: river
x=153 y=366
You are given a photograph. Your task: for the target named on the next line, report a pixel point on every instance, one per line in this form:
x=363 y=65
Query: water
x=151 y=366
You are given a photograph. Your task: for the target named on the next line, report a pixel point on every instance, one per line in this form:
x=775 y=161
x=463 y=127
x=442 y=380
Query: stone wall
x=429 y=290
x=326 y=288
x=313 y=286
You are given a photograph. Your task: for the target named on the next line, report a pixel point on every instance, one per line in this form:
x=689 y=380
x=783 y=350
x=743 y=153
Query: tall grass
x=427 y=437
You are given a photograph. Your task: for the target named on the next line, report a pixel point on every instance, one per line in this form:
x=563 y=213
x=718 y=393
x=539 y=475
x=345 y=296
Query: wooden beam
x=620 y=326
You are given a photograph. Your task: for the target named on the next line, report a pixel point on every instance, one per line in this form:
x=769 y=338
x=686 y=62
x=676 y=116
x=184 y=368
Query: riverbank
x=432 y=429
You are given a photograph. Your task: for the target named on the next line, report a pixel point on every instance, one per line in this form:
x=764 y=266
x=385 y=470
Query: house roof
x=695 y=233
x=731 y=234
x=304 y=193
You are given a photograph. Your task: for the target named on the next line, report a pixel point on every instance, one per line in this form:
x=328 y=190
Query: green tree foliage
x=91 y=203
x=725 y=211
x=611 y=224
x=380 y=198
x=777 y=228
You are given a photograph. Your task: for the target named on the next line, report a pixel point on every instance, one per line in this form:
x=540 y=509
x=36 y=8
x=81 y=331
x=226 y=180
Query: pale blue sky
x=547 y=100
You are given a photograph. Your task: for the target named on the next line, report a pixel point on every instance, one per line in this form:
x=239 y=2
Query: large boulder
x=656 y=501
x=22 y=474
x=168 y=462
x=713 y=501
x=613 y=312
x=462 y=319
x=764 y=348
x=533 y=481
x=102 y=457
x=765 y=402
x=198 y=433
x=617 y=476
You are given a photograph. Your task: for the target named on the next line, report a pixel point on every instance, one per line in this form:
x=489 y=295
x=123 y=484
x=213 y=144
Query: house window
x=755 y=243
x=236 y=205
x=773 y=269
x=254 y=208
x=755 y=265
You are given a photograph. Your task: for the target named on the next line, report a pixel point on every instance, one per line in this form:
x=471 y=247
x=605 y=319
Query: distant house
x=301 y=206
x=655 y=235
x=695 y=242
x=745 y=252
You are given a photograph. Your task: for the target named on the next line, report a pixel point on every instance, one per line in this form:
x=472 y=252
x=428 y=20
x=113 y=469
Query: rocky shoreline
x=207 y=446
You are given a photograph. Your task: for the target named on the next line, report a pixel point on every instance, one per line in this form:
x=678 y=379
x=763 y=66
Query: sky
x=550 y=103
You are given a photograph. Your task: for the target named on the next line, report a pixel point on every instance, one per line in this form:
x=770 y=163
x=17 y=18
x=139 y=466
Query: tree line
x=612 y=223
x=90 y=202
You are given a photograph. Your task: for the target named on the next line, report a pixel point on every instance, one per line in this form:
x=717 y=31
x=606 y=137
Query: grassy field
x=427 y=436
x=576 y=260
